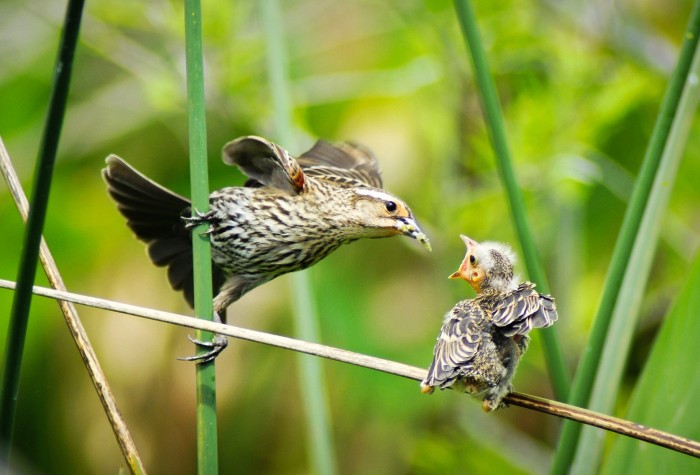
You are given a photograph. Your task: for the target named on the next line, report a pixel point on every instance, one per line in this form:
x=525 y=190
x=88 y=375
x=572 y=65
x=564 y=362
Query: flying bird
x=482 y=339
x=290 y=214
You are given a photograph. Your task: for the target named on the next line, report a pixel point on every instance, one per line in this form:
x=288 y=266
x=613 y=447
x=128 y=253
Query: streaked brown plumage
x=289 y=215
x=482 y=339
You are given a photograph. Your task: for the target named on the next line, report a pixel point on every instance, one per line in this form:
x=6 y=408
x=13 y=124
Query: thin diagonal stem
x=32 y=238
x=490 y=105
x=207 y=453
x=588 y=367
x=70 y=313
x=613 y=424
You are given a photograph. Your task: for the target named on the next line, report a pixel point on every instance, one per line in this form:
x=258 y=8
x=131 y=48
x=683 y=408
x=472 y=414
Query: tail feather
x=154 y=214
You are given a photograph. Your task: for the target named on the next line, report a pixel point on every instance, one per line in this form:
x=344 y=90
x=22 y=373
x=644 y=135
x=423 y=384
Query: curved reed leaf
x=668 y=391
x=588 y=367
x=627 y=309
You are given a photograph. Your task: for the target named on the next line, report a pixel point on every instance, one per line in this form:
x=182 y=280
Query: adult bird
x=482 y=339
x=290 y=214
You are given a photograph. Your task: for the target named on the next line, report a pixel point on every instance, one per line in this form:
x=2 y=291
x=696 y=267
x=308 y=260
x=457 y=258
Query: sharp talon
x=215 y=346
x=196 y=220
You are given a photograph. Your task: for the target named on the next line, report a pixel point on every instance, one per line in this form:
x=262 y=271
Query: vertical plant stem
x=207 y=455
x=588 y=367
x=312 y=378
x=32 y=238
x=494 y=118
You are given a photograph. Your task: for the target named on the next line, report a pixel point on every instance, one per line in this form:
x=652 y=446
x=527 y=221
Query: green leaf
x=627 y=309
x=668 y=392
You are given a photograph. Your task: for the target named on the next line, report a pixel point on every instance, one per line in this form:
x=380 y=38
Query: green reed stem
x=207 y=452
x=21 y=302
x=494 y=119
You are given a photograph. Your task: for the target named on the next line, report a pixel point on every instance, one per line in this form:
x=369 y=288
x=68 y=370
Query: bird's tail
x=154 y=214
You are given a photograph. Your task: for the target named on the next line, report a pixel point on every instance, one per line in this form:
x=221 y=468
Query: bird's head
x=382 y=214
x=487 y=266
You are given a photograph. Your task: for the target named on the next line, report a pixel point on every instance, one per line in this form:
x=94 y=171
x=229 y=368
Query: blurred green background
x=580 y=83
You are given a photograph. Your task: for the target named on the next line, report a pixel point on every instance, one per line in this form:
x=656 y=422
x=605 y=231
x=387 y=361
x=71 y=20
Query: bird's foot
x=494 y=398
x=197 y=219
x=425 y=388
x=215 y=346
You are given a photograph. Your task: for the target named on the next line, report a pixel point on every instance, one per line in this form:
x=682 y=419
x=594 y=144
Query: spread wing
x=344 y=164
x=457 y=344
x=524 y=309
x=266 y=163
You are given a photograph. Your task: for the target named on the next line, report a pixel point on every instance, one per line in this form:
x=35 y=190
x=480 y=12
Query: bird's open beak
x=472 y=275
x=409 y=227
x=462 y=271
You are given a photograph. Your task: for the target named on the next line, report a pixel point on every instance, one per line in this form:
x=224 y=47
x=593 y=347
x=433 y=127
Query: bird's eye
x=390 y=206
x=472 y=259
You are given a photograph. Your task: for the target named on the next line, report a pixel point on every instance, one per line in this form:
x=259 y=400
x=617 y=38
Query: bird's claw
x=215 y=346
x=197 y=219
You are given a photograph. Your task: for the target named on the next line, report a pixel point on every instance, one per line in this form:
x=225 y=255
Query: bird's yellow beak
x=464 y=270
x=459 y=274
x=474 y=274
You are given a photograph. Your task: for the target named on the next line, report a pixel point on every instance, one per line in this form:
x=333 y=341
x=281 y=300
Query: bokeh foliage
x=580 y=84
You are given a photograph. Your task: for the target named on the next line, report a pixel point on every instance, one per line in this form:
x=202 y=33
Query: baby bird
x=290 y=214
x=482 y=339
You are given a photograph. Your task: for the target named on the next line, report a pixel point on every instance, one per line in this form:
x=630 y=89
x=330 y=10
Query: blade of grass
x=494 y=118
x=558 y=409
x=627 y=308
x=21 y=301
x=586 y=374
x=207 y=455
x=313 y=383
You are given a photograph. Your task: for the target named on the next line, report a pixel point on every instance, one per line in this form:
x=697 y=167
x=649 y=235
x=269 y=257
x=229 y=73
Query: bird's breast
x=260 y=232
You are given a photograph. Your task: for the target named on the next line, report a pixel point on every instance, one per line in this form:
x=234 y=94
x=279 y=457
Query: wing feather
x=524 y=309
x=266 y=163
x=344 y=164
x=457 y=344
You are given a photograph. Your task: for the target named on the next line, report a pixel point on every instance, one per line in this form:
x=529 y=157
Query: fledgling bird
x=290 y=214
x=482 y=339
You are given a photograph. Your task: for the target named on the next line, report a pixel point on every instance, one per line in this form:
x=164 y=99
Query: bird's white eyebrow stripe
x=376 y=194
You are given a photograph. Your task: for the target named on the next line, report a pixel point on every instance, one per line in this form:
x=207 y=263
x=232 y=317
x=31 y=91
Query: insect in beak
x=409 y=227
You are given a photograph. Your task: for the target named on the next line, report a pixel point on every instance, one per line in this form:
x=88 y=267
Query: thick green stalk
x=586 y=374
x=311 y=374
x=21 y=302
x=627 y=309
x=494 y=119
x=207 y=456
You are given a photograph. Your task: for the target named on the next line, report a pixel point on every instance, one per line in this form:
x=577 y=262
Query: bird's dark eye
x=390 y=206
x=472 y=259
